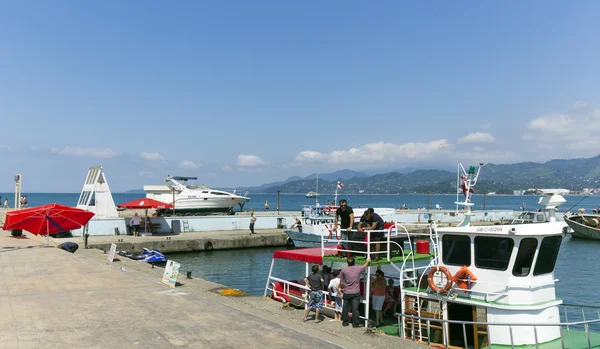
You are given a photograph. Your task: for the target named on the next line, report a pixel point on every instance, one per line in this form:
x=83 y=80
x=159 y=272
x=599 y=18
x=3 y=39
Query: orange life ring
x=432 y=284
x=460 y=278
x=327 y=211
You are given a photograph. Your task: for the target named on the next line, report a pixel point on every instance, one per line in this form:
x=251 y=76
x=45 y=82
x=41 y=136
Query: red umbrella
x=145 y=203
x=47 y=219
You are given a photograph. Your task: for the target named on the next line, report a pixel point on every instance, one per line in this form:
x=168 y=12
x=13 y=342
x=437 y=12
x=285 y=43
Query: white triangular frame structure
x=96 y=196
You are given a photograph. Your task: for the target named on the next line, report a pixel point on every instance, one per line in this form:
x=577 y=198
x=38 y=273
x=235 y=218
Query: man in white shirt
x=135 y=223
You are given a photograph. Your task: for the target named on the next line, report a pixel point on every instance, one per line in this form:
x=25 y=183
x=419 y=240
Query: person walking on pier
x=350 y=290
x=252 y=221
x=346 y=214
x=135 y=223
x=315 y=301
x=5 y=203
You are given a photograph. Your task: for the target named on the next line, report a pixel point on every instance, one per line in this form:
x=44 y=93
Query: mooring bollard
x=189 y=274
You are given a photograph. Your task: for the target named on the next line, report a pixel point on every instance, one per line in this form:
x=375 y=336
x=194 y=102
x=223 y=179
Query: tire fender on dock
x=208 y=245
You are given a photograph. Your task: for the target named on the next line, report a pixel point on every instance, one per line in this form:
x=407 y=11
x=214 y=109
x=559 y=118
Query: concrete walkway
x=50 y=298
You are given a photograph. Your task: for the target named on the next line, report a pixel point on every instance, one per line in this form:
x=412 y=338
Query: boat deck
x=394 y=259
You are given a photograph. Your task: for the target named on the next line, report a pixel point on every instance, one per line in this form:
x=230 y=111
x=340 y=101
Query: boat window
x=525 y=256
x=547 y=255
x=456 y=250
x=493 y=252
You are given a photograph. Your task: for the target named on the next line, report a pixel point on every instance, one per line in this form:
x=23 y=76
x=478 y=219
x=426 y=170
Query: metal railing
x=416 y=321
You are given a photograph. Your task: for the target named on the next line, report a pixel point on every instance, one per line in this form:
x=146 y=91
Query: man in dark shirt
x=347 y=217
x=372 y=221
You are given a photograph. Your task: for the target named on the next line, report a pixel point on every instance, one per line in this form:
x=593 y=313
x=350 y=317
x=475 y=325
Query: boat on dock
x=489 y=286
x=192 y=199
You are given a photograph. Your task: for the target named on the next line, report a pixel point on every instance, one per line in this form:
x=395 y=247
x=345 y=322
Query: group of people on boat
x=368 y=221
x=344 y=288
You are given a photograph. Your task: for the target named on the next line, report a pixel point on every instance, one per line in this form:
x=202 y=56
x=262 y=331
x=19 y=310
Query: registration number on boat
x=489 y=230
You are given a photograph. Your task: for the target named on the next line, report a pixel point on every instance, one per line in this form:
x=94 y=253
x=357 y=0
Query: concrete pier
x=187 y=242
x=50 y=298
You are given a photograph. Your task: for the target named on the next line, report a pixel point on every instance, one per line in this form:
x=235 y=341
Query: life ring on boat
x=327 y=211
x=432 y=284
x=464 y=277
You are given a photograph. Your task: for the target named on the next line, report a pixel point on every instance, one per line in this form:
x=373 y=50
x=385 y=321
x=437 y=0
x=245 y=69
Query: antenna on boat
x=466 y=180
x=317 y=194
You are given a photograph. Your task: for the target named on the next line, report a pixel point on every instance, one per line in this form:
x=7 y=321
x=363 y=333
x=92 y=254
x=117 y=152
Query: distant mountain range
x=574 y=174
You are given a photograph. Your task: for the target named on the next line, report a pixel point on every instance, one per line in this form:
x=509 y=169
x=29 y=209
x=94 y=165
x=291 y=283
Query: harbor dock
x=54 y=299
x=187 y=242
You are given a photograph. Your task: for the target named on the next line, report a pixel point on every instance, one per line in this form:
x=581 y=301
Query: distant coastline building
x=552 y=191
x=518 y=192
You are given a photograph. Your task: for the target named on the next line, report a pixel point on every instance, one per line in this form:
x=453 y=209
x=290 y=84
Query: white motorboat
x=312 y=194
x=191 y=199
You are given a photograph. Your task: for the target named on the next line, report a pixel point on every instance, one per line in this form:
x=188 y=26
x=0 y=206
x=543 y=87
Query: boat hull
x=304 y=239
x=580 y=230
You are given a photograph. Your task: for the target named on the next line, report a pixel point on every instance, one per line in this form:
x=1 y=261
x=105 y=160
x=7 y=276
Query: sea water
x=295 y=202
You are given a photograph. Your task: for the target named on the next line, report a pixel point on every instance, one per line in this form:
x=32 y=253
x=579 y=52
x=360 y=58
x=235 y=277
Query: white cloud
x=152 y=156
x=580 y=105
x=86 y=152
x=376 y=153
x=477 y=137
x=34 y=148
x=6 y=148
x=188 y=164
x=227 y=168
x=249 y=161
x=578 y=130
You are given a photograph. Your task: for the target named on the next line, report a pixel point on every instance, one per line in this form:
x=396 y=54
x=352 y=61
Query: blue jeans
x=351 y=302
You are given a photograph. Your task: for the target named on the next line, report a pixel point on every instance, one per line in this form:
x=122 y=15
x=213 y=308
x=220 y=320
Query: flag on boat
x=340 y=185
x=463 y=185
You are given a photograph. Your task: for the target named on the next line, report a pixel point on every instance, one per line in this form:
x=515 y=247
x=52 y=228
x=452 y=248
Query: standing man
x=350 y=290
x=372 y=221
x=252 y=221
x=347 y=216
x=135 y=223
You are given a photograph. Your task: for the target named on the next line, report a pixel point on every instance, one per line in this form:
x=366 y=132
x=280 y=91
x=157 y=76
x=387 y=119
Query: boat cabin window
x=493 y=252
x=525 y=256
x=547 y=255
x=456 y=250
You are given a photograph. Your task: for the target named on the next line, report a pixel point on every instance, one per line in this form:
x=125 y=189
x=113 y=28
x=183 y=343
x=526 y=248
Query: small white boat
x=312 y=194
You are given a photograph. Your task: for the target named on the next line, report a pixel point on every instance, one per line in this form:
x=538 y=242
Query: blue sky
x=244 y=93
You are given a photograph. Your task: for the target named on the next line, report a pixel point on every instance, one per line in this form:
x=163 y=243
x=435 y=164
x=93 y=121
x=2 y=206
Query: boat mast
x=467 y=180
x=317 y=194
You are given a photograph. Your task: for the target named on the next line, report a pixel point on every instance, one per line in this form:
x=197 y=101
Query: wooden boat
x=584 y=226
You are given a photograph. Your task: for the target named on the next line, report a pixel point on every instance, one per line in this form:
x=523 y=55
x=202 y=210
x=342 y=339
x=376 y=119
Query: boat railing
x=286 y=284
x=411 y=327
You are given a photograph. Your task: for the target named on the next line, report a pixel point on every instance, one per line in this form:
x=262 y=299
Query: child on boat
x=336 y=294
x=315 y=301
